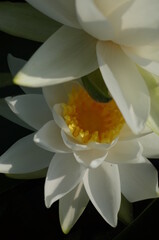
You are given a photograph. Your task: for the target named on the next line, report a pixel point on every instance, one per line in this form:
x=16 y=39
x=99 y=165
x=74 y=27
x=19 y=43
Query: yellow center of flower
x=91 y=121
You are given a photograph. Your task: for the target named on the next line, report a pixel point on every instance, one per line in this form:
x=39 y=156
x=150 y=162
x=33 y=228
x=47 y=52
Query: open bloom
x=94 y=154
x=112 y=35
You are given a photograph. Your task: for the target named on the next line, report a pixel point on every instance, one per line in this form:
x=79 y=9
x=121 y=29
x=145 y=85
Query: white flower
x=111 y=35
x=80 y=168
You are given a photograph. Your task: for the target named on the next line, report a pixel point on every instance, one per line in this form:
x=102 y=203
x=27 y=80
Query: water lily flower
x=95 y=156
x=114 y=36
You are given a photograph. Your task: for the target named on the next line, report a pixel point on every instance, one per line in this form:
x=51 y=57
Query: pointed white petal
x=125 y=84
x=24 y=157
x=71 y=207
x=139 y=181
x=64 y=175
x=15 y=64
x=126 y=152
x=60 y=10
x=49 y=138
x=150 y=145
x=67 y=55
x=103 y=188
x=58 y=93
x=91 y=158
x=31 y=108
x=7 y=113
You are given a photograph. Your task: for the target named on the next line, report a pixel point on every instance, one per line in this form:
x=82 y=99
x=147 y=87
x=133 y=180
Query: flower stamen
x=91 y=121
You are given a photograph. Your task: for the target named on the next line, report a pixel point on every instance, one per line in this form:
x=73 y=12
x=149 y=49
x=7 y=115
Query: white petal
x=15 y=64
x=143 y=61
x=57 y=114
x=150 y=145
x=68 y=54
x=125 y=84
x=93 y=21
x=72 y=143
x=31 y=108
x=7 y=113
x=72 y=206
x=139 y=181
x=103 y=188
x=58 y=93
x=126 y=152
x=60 y=10
x=91 y=158
x=64 y=175
x=24 y=157
x=49 y=138
x=132 y=23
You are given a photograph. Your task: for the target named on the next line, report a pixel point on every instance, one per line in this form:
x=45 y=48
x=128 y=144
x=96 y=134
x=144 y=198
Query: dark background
x=23 y=214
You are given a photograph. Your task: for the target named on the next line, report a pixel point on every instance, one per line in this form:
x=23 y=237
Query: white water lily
x=86 y=164
x=111 y=35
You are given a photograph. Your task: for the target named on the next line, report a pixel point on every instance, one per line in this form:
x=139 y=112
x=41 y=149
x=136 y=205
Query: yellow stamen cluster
x=91 y=121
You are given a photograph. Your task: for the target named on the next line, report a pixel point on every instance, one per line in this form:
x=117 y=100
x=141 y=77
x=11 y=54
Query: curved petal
x=126 y=152
x=49 y=138
x=103 y=188
x=132 y=24
x=146 y=62
x=125 y=84
x=15 y=64
x=58 y=93
x=71 y=143
x=60 y=10
x=67 y=55
x=93 y=21
x=139 y=181
x=31 y=108
x=90 y=158
x=7 y=113
x=64 y=174
x=150 y=145
x=57 y=114
x=72 y=206
x=24 y=157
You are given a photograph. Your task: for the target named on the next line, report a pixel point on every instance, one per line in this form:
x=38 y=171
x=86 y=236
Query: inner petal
x=91 y=121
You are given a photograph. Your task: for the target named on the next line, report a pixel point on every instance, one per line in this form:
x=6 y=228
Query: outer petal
x=7 y=113
x=72 y=206
x=24 y=157
x=126 y=152
x=64 y=175
x=125 y=84
x=139 y=181
x=31 y=108
x=15 y=64
x=49 y=138
x=60 y=10
x=103 y=188
x=68 y=54
x=150 y=145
